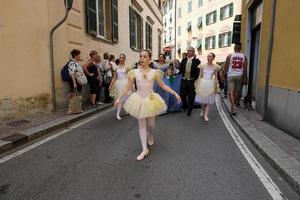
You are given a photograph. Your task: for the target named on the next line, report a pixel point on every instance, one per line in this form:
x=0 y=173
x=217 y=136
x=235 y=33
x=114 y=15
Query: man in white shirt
x=236 y=68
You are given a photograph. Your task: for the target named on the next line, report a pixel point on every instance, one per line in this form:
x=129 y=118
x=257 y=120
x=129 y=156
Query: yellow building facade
x=112 y=26
x=270 y=32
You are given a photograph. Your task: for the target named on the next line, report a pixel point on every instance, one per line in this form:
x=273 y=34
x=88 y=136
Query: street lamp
x=68 y=6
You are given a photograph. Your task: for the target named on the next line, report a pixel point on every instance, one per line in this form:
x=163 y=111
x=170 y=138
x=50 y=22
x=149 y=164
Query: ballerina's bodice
x=208 y=73
x=144 y=82
x=121 y=73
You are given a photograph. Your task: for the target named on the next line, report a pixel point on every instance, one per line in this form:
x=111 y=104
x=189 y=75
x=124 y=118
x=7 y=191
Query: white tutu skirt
x=117 y=88
x=141 y=108
x=205 y=91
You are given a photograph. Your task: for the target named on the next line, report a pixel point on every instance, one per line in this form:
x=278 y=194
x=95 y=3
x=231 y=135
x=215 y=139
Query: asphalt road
x=191 y=160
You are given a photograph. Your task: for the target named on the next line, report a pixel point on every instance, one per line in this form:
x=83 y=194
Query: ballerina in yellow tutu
x=144 y=104
x=206 y=85
x=119 y=82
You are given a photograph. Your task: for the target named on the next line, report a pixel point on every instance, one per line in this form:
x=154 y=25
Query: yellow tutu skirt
x=118 y=87
x=204 y=87
x=141 y=108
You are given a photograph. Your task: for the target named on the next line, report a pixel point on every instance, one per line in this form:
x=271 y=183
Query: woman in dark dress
x=91 y=70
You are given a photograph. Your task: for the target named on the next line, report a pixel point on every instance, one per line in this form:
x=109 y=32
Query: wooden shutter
x=229 y=38
x=215 y=16
x=221 y=13
x=115 y=20
x=142 y=33
x=207 y=18
x=101 y=17
x=147 y=35
x=206 y=43
x=231 y=10
x=214 y=42
x=220 y=41
x=150 y=37
x=91 y=17
x=132 y=25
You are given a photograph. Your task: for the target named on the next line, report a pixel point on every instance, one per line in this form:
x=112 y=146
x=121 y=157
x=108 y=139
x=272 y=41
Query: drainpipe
x=270 y=51
x=68 y=6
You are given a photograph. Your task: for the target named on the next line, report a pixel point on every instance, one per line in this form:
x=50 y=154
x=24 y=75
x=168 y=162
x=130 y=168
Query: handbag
x=75 y=102
x=81 y=78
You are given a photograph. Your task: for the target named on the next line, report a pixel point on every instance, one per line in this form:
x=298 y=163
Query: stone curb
x=44 y=129
x=286 y=165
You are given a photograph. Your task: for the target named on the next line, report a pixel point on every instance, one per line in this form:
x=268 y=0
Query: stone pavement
x=18 y=131
x=278 y=147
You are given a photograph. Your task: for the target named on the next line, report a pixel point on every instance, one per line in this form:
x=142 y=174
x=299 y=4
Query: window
x=159 y=41
x=171 y=19
x=188 y=44
x=148 y=36
x=170 y=36
x=200 y=3
x=179 y=30
x=102 y=19
x=226 y=12
x=189 y=27
x=210 y=42
x=136 y=29
x=225 y=39
x=199 y=24
x=171 y=4
x=179 y=12
x=211 y=18
x=190 y=7
x=199 y=46
x=179 y=49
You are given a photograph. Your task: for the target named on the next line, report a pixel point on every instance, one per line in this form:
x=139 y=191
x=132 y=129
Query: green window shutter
x=147 y=36
x=229 y=38
x=221 y=13
x=214 y=42
x=220 y=40
x=132 y=25
x=215 y=16
x=207 y=16
x=115 y=21
x=231 y=10
x=101 y=17
x=150 y=37
x=206 y=43
x=142 y=33
x=91 y=17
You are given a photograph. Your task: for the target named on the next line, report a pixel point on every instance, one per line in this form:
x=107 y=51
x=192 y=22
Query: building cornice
x=154 y=13
x=137 y=5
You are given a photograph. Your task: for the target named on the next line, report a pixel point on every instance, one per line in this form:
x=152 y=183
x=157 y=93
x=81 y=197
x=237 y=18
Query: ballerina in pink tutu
x=144 y=104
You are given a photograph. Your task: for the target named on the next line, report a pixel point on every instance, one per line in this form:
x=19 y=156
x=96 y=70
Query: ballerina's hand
x=117 y=102
x=178 y=98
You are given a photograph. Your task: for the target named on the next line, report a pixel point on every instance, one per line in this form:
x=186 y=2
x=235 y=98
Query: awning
x=168 y=48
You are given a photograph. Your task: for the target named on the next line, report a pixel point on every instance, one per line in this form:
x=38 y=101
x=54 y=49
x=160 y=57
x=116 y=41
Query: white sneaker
x=99 y=103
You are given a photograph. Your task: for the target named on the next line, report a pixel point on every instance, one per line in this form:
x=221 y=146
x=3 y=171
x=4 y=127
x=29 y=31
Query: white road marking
x=30 y=147
x=263 y=176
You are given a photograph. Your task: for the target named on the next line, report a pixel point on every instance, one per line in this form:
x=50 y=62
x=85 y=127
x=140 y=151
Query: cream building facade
x=169 y=31
x=113 y=26
x=207 y=26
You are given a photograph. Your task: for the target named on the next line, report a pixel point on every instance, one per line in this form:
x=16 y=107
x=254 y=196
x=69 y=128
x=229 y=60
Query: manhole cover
x=18 y=123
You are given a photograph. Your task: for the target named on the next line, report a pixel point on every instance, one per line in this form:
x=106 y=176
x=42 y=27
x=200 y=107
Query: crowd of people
x=153 y=87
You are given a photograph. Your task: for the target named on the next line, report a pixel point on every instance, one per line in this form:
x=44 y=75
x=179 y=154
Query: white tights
x=146 y=128
x=119 y=110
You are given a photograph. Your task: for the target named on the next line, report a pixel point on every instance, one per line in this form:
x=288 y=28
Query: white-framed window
x=189 y=27
x=190 y=6
x=210 y=42
x=200 y=3
x=199 y=46
x=200 y=23
x=179 y=12
x=179 y=31
x=225 y=39
x=211 y=18
x=136 y=28
x=226 y=11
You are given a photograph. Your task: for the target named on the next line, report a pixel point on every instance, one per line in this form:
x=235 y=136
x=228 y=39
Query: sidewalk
x=278 y=147
x=19 y=131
